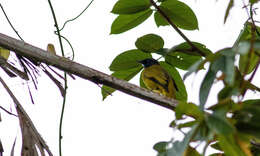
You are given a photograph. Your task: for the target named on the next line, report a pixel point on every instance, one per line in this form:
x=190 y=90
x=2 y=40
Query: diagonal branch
x=24 y=118
x=176 y=28
x=84 y=72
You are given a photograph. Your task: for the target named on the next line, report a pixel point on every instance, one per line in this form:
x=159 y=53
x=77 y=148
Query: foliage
x=227 y=126
x=231 y=126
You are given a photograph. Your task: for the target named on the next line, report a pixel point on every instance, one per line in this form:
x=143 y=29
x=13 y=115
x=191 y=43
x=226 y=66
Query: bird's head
x=148 y=62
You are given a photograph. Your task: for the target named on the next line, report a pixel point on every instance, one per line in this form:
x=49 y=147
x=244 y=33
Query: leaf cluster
x=229 y=125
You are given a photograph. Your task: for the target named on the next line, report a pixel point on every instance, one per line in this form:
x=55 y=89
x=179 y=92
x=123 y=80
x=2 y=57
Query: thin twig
x=254 y=72
x=250 y=54
x=10 y=22
x=65 y=78
x=76 y=16
x=176 y=28
x=71 y=47
x=253 y=75
x=7 y=111
x=29 y=122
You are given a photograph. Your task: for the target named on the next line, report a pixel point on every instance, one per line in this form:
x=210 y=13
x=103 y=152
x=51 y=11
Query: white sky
x=120 y=125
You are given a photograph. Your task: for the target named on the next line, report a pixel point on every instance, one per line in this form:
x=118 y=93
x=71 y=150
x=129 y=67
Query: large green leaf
x=218 y=123
x=248 y=119
x=205 y=87
x=149 y=43
x=246 y=34
x=126 y=22
x=248 y=62
x=124 y=75
x=130 y=6
x=181 y=94
x=128 y=60
x=180 y=14
x=228 y=56
x=222 y=61
x=188 y=109
x=187 y=49
x=229 y=146
x=181 y=60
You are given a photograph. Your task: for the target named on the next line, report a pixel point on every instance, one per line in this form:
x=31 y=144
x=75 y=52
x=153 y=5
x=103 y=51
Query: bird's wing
x=158 y=75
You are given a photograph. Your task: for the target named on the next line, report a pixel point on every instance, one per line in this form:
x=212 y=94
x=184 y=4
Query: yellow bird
x=157 y=79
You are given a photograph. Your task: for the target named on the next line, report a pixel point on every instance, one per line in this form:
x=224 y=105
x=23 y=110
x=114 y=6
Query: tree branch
x=176 y=28
x=26 y=119
x=84 y=72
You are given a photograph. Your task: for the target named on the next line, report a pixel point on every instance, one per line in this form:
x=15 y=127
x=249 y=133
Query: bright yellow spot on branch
x=51 y=48
x=4 y=53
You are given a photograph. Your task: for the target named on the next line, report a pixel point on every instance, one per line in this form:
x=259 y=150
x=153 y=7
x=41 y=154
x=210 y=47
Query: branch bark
x=29 y=51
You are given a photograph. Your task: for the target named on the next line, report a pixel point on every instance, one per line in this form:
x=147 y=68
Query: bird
x=157 y=79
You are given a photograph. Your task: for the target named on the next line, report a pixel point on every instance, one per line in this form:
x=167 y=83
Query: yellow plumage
x=157 y=79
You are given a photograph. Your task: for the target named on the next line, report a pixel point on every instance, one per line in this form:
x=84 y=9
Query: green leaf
x=192 y=152
x=227 y=92
x=179 y=13
x=204 y=133
x=205 y=87
x=178 y=147
x=124 y=75
x=181 y=60
x=246 y=34
x=187 y=49
x=182 y=93
x=159 y=20
x=130 y=6
x=161 y=147
x=126 y=22
x=229 y=146
x=217 y=122
x=243 y=48
x=229 y=70
x=248 y=119
x=187 y=124
x=252 y=60
x=216 y=146
x=163 y=52
x=229 y=65
x=194 y=68
x=149 y=43
x=128 y=59
x=141 y=82
x=230 y=5
x=173 y=124
x=253 y=1
x=188 y=109
x=218 y=64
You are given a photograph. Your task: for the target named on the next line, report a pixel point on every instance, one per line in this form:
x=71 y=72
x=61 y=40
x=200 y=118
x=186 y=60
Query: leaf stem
x=176 y=28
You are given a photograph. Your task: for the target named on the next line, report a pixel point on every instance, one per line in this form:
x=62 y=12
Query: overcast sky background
x=120 y=125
